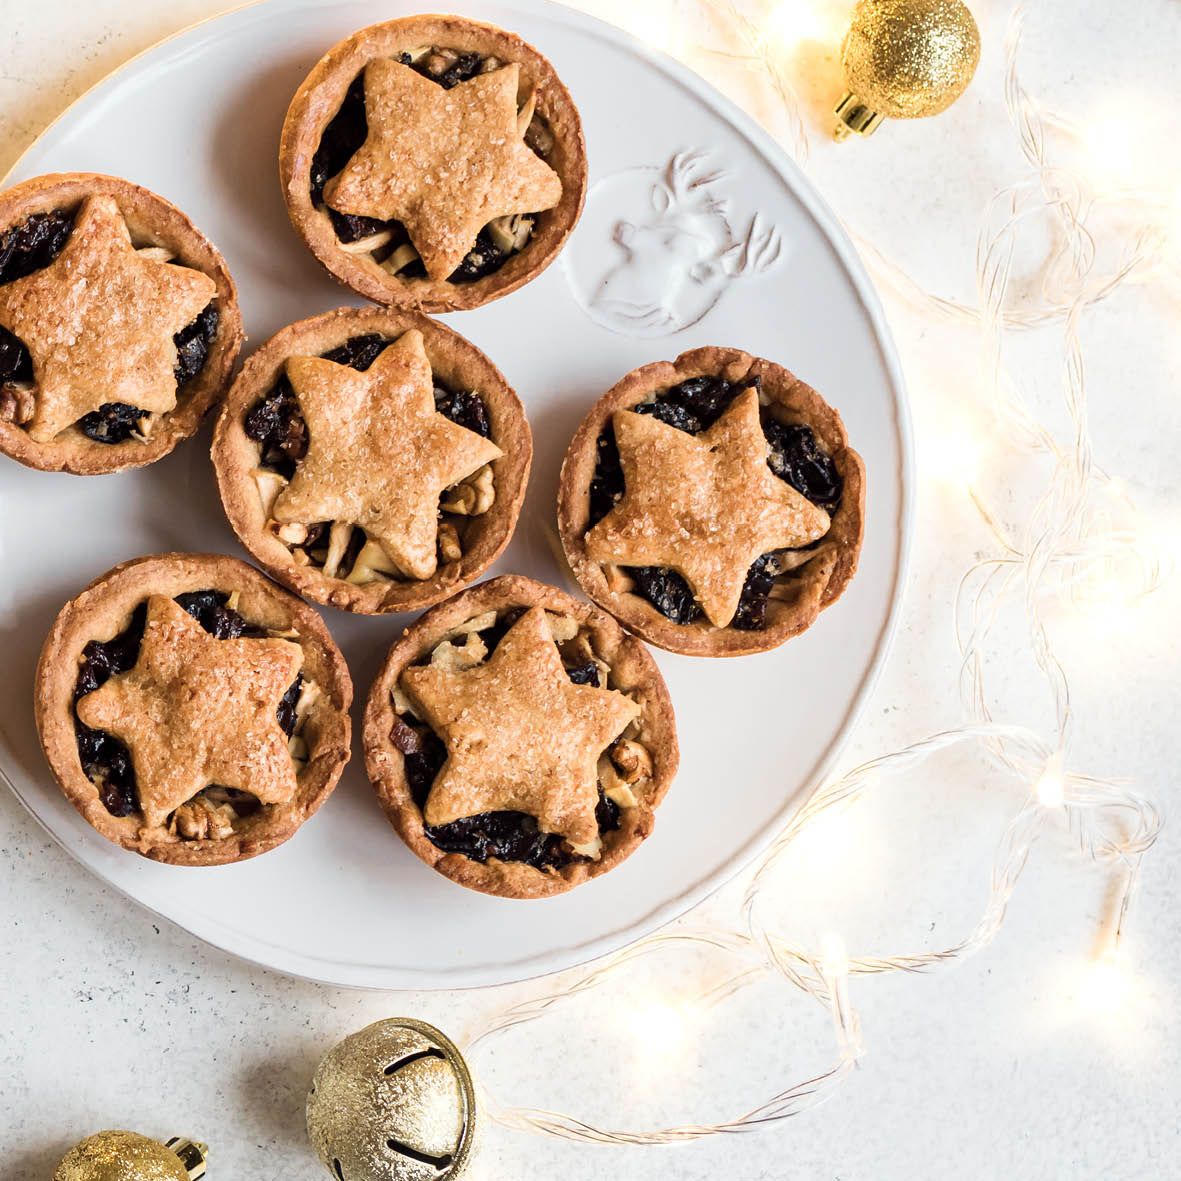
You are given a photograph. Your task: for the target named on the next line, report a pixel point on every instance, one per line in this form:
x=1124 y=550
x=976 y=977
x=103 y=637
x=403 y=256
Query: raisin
x=208 y=608
x=584 y=674
x=667 y=591
x=117 y=792
x=751 y=614
x=112 y=422
x=193 y=344
x=15 y=362
x=484 y=258
x=359 y=352
x=405 y=738
x=464 y=407
x=343 y=136
x=466 y=66
x=607 y=483
x=101 y=659
x=797 y=458
x=606 y=813
x=507 y=836
x=286 y=708
x=351 y=227
x=423 y=765
x=672 y=414
x=275 y=422
x=31 y=245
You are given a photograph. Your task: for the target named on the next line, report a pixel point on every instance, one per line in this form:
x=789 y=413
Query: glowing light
x=954 y=456
x=796 y=20
x=1051 y=787
x=834 y=956
x=1106 y=985
x=660 y=1029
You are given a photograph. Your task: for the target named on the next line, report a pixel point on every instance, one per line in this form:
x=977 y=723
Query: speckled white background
x=1002 y=1069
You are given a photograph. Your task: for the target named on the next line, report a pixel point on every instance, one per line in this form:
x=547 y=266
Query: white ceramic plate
x=659 y=264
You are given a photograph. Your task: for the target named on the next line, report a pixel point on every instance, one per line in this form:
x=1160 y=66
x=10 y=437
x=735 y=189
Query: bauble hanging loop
x=127 y=1156
x=394 y=1102
x=905 y=59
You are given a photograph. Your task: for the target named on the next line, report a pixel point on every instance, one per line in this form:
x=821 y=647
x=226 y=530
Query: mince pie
x=192 y=710
x=433 y=162
x=712 y=505
x=519 y=739
x=119 y=324
x=372 y=459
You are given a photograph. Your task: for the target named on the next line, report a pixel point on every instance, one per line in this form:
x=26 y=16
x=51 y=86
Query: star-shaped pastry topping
x=379 y=453
x=99 y=322
x=704 y=505
x=520 y=736
x=442 y=162
x=196 y=710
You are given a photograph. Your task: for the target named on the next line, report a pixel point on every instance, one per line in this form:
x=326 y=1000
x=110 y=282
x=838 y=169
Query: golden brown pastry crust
x=103 y=610
x=828 y=572
x=319 y=98
x=632 y=670
x=152 y=221
x=460 y=365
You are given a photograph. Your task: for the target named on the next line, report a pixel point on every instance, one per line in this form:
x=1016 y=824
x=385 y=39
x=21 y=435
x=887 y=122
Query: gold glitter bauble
x=126 y=1156
x=394 y=1102
x=905 y=59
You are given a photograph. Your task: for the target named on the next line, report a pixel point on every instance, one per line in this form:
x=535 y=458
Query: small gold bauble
x=905 y=59
x=126 y=1156
x=394 y=1102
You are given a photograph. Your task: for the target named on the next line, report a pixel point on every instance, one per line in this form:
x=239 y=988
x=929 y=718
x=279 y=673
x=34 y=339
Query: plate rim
x=311 y=969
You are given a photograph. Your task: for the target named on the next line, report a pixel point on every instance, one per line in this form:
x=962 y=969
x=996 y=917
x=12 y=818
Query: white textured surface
x=992 y=1071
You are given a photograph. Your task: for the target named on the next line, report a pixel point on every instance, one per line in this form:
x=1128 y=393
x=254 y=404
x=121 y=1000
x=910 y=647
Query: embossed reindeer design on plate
x=675 y=256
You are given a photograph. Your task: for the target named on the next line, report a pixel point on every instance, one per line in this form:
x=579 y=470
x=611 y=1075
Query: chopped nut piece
x=292 y=533
x=156 y=253
x=298 y=748
x=561 y=627
x=449 y=547
x=510 y=232
x=477 y=623
x=367 y=245
x=372 y=565
x=526 y=112
x=202 y=819
x=632 y=759
x=473 y=496
x=338 y=543
x=457 y=658
x=614 y=788
x=402 y=257
x=591 y=849
x=402 y=703
x=539 y=137
x=16 y=402
x=270 y=484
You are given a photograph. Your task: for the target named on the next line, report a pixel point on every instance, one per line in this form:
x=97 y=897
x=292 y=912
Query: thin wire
x=1075 y=531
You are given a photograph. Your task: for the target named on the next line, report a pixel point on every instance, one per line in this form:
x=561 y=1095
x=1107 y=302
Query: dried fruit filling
x=347 y=132
x=507 y=836
x=276 y=423
x=106 y=761
x=794 y=456
x=31 y=245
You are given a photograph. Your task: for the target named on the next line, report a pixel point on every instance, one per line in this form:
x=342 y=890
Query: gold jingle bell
x=126 y=1156
x=394 y=1102
x=905 y=59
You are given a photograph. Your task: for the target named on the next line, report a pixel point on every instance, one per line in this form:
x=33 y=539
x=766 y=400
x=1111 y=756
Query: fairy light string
x=1079 y=535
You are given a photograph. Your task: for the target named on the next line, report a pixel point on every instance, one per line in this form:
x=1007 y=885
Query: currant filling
x=107 y=761
x=795 y=457
x=507 y=836
x=347 y=132
x=31 y=245
x=276 y=423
